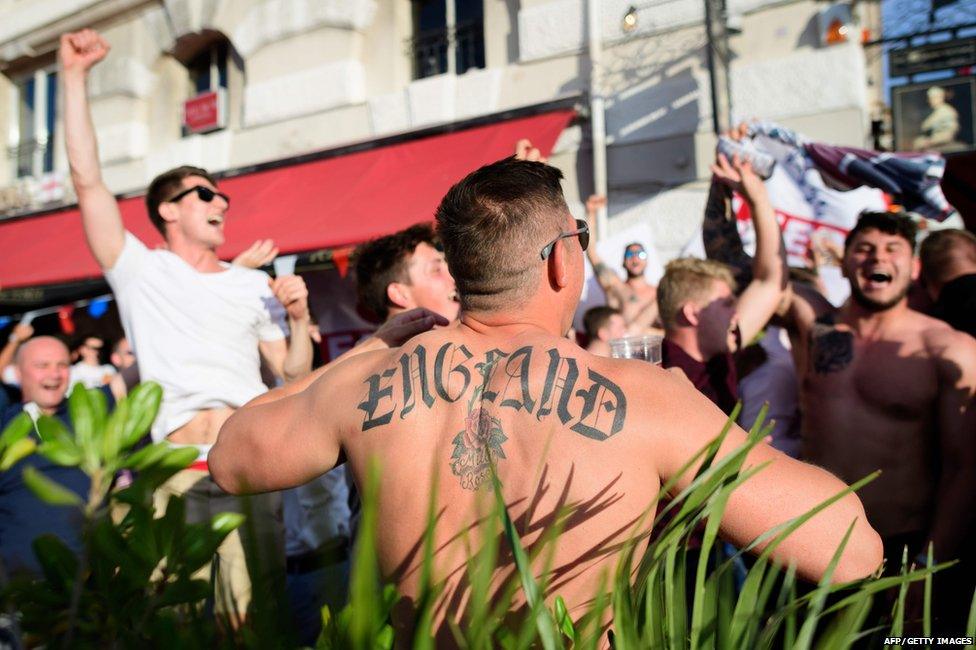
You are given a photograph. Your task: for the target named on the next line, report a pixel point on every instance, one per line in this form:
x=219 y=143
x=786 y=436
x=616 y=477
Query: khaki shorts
x=252 y=554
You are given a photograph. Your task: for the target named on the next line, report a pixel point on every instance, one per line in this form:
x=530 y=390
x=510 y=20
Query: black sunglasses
x=205 y=193
x=582 y=231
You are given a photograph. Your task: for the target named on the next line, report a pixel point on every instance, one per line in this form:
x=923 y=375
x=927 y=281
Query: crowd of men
x=474 y=364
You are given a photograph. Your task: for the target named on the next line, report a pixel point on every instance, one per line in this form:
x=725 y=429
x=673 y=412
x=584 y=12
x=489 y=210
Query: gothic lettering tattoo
x=411 y=372
x=832 y=350
x=459 y=369
x=374 y=396
x=586 y=402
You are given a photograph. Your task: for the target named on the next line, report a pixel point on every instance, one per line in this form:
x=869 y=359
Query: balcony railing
x=32 y=157
x=430 y=50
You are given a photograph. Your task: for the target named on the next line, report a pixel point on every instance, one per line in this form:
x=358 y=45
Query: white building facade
x=298 y=76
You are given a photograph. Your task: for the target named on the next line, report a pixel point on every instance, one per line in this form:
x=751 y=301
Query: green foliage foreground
x=133 y=583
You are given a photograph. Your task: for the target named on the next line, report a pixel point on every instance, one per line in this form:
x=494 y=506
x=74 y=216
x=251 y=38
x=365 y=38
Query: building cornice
x=33 y=30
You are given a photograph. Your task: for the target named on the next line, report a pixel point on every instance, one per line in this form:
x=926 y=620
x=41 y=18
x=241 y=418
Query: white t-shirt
x=90 y=376
x=194 y=333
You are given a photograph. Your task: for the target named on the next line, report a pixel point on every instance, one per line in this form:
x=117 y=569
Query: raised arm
x=18 y=336
x=100 y=215
x=609 y=281
x=786 y=488
x=759 y=300
x=293 y=360
x=720 y=235
x=956 y=496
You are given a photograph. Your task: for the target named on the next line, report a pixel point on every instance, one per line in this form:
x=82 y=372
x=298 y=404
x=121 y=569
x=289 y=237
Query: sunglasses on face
x=641 y=255
x=205 y=194
x=582 y=231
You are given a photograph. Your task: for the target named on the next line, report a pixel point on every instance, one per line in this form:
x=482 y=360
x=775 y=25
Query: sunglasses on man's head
x=635 y=253
x=204 y=193
x=582 y=231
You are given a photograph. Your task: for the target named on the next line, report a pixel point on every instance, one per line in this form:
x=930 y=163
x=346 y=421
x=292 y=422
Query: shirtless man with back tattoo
x=885 y=387
x=505 y=387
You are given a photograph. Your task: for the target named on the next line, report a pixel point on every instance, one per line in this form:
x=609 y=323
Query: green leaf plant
x=134 y=583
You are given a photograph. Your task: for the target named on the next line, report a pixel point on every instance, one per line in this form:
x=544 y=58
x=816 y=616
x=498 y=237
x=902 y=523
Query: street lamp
x=629 y=21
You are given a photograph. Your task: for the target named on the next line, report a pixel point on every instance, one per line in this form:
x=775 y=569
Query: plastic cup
x=646 y=347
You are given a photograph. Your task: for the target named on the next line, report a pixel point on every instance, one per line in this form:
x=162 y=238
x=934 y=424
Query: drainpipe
x=597 y=109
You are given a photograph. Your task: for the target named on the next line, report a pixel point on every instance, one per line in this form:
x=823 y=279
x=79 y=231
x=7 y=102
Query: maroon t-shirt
x=716 y=379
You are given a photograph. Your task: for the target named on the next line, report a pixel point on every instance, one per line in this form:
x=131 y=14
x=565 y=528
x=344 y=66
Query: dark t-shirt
x=716 y=379
x=957 y=304
x=23 y=516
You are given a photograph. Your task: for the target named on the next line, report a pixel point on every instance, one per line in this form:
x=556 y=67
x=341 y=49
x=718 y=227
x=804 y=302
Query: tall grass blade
x=927 y=604
x=424 y=616
x=364 y=596
x=898 y=613
x=820 y=594
x=544 y=624
x=971 y=621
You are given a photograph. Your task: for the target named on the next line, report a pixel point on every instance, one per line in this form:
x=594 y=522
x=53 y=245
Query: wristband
x=13 y=338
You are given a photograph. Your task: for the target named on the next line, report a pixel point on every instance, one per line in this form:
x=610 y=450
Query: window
x=32 y=135
x=208 y=69
x=449 y=36
x=214 y=74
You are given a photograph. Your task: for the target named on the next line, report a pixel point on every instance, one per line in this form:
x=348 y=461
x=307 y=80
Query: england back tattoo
x=592 y=406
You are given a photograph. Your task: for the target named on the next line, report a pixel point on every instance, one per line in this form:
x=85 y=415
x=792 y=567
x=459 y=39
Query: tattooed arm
x=783 y=489
x=721 y=236
x=610 y=282
x=761 y=297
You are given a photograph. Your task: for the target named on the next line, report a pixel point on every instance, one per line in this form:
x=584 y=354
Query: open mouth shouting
x=877 y=280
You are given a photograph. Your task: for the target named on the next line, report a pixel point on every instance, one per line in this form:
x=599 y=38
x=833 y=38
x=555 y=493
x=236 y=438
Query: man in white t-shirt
x=89 y=370
x=199 y=326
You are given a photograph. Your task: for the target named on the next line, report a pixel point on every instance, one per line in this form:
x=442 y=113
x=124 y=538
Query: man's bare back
x=565 y=429
x=872 y=404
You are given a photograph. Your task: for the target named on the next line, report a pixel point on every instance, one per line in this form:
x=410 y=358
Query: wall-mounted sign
x=205 y=112
x=935 y=116
x=947 y=55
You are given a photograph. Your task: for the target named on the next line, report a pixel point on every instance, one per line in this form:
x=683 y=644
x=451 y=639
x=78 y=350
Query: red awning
x=319 y=204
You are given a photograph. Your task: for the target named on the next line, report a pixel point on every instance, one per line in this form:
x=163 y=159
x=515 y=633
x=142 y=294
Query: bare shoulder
x=350 y=373
x=950 y=348
x=655 y=394
x=939 y=336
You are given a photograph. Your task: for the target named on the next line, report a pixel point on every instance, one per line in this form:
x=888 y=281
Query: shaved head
x=38 y=345
x=42 y=363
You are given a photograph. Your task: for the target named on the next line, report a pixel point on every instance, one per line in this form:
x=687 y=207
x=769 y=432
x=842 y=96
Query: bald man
x=43 y=364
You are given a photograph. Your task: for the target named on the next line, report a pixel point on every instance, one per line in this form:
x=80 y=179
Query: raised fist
x=291 y=291
x=524 y=150
x=81 y=50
